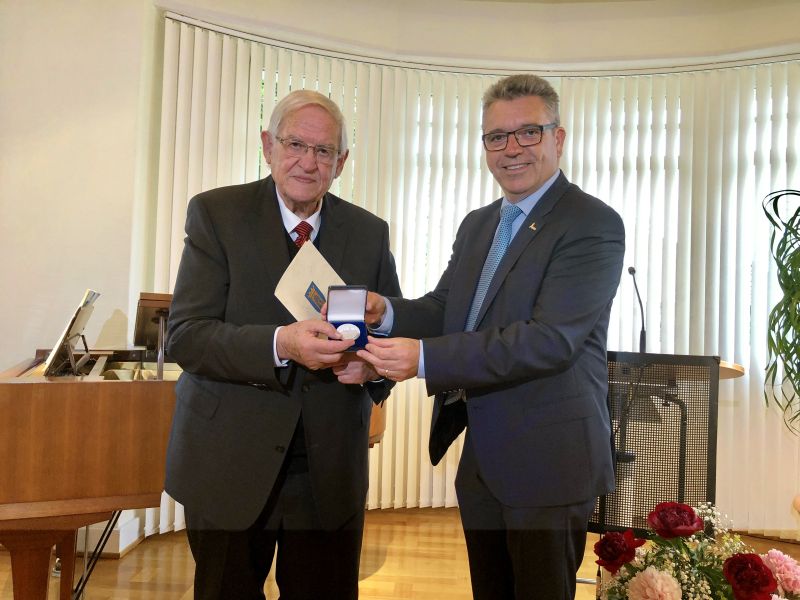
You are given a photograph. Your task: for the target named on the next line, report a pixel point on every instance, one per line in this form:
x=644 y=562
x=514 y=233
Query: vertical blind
x=684 y=157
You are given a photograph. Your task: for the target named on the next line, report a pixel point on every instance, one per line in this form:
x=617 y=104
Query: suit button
x=305 y=387
x=280 y=449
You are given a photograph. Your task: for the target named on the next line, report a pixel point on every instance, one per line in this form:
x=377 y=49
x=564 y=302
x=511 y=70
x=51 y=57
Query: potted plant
x=782 y=385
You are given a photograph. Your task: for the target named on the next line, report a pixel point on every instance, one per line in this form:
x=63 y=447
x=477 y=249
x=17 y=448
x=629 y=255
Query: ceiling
x=557 y=1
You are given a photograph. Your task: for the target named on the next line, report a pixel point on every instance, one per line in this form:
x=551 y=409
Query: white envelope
x=305 y=283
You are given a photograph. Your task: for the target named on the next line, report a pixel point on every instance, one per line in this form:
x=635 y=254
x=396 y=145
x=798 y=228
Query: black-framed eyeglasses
x=530 y=135
x=324 y=155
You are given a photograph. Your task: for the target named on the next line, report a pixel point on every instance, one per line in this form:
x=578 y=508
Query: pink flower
x=785 y=569
x=652 y=584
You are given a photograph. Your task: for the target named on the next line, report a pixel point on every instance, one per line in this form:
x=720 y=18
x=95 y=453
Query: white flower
x=652 y=584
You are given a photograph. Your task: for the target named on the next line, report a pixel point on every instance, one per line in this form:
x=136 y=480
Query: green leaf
x=783 y=322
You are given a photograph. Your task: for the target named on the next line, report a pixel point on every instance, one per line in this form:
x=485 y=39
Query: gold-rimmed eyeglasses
x=324 y=155
x=530 y=135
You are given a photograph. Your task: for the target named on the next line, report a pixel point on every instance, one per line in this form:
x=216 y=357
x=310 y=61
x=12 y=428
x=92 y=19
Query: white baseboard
x=127 y=534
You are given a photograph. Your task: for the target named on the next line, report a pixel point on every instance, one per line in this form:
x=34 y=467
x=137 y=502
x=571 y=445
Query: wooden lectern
x=77 y=448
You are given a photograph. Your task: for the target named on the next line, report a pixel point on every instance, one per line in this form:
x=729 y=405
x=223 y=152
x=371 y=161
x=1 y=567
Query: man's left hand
x=393 y=358
x=354 y=370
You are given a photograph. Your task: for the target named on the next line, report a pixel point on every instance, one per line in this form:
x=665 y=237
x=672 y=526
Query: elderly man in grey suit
x=270 y=434
x=513 y=345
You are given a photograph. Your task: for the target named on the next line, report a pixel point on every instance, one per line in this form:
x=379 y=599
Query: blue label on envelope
x=315 y=296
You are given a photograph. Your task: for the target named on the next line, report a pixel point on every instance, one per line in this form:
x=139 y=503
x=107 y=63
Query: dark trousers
x=311 y=564
x=529 y=553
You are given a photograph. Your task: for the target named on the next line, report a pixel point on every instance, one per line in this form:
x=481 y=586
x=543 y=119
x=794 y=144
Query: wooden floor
x=416 y=553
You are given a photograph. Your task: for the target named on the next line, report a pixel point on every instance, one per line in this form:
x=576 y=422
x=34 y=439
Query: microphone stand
x=642 y=333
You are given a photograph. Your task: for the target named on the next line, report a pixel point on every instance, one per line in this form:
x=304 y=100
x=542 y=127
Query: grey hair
x=521 y=86
x=298 y=99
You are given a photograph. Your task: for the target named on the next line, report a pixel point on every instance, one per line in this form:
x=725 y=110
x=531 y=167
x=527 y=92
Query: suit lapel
x=268 y=233
x=466 y=279
x=334 y=233
x=530 y=228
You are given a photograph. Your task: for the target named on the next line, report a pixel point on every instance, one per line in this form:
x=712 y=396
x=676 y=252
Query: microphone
x=642 y=333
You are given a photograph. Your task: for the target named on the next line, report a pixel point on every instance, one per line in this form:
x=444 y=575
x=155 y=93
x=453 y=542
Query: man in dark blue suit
x=513 y=344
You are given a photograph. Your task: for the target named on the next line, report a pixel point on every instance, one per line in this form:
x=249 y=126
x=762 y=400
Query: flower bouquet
x=690 y=556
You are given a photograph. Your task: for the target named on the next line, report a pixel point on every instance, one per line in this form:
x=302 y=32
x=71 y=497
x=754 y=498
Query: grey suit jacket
x=535 y=369
x=236 y=412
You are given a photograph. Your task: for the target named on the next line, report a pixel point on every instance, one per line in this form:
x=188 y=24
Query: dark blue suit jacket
x=535 y=369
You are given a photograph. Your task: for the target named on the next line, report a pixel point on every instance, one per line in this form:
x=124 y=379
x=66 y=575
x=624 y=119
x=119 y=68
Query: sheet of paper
x=305 y=282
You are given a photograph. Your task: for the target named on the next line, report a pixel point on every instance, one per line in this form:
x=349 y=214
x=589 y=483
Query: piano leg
x=66 y=550
x=30 y=543
x=30 y=561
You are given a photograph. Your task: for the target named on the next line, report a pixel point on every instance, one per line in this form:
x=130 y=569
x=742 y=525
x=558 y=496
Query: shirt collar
x=290 y=220
x=528 y=202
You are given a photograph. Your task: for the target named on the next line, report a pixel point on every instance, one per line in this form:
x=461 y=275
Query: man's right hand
x=374 y=312
x=376 y=309
x=300 y=342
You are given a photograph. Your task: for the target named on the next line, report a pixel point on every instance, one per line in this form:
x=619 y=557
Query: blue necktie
x=496 y=252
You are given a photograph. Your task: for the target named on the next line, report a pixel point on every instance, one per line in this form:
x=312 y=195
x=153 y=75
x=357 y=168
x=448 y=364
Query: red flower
x=749 y=577
x=615 y=549
x=673 y=519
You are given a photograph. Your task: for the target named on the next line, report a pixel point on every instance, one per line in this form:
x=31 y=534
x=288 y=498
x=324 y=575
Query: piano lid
x=151 y=308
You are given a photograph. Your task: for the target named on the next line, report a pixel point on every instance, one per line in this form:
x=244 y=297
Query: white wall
x=70 y=84
x=79 y=113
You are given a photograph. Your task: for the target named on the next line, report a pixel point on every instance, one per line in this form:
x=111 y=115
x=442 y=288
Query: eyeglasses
x=324 y=155
x=530 y=135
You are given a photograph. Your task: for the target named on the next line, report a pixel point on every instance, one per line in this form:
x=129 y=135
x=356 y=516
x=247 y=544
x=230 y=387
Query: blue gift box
x=346 y=307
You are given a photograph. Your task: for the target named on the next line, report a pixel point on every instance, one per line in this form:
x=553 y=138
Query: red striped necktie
x=303 y=231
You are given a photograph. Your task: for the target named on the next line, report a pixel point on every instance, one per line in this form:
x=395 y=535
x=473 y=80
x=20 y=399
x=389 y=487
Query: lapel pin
x=532 y=226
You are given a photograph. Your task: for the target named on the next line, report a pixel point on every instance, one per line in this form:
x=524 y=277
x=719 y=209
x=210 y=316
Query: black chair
x=664 y=427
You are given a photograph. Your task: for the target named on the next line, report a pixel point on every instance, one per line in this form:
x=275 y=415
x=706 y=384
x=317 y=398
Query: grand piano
x=77 y=448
